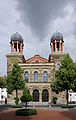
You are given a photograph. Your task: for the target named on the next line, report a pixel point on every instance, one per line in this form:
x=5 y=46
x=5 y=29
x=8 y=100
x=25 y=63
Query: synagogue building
x=39 y=72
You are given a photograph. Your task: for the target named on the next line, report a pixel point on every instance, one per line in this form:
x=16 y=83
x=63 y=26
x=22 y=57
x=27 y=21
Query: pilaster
x=40 y=96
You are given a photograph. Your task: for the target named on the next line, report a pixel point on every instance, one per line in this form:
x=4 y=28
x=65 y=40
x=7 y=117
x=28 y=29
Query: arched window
x=58 y=66
x=45 y=76
x=26 y=76
x=35 y=76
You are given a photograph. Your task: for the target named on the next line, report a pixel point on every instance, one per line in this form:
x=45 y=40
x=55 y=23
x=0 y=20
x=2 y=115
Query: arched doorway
x=36 y=95
x=45 y=95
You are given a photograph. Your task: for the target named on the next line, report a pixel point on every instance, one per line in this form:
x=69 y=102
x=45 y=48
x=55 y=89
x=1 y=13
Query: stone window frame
x=35 y=76
x=43 y=77
x=26 y=76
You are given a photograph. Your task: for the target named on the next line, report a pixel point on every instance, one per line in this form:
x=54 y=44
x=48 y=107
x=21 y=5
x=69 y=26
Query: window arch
x=45 y=76
x=26 y=76
x=35 y=76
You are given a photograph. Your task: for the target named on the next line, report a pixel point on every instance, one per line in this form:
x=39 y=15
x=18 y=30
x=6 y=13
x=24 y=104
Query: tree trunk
x=67 y=96
x=25 y=106
x=16 y=97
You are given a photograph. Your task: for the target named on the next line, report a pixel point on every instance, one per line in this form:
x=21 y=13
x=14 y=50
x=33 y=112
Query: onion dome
x=57 y=36
x=16 y=36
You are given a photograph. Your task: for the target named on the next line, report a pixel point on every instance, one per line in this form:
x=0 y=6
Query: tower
x=16 y=54
x=16 y=43
x=56 y=43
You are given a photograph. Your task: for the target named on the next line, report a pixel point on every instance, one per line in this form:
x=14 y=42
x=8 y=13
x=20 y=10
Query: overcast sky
x=36 y=21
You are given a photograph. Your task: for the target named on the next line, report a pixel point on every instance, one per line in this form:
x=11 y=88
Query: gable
x=37 y=59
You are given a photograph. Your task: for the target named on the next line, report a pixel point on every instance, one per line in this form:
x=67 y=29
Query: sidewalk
x=42 y=114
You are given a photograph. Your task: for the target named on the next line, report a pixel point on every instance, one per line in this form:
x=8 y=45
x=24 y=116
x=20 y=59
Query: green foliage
x=15 y=80
x=26 y=97
x=27 y=112
x=74 y=67
x=54 y=100
x=10 y=86
x=16 y=106
x=2 y=82
x=65 y=77
x=25 y=91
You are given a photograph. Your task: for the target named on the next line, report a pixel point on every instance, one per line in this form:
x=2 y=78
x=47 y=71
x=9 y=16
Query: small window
x=35 y=76
x=36 y=61
x=26 y=76
x=45 y=76
x=58 y=66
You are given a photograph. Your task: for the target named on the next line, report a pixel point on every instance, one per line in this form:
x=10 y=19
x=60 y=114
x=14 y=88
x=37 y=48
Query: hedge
x=26 y=112
x=67 y=106
x=16 y=106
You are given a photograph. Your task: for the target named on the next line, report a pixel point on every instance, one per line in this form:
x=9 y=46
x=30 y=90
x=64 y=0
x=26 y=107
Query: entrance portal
x=36 y=95
x=45 y=95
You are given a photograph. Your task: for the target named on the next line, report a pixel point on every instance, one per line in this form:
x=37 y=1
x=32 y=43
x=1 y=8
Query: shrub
x=67 y=106
x=26 y=112
x=26 y=98
x=16 y=106
x=54 y=100
x=72 y=102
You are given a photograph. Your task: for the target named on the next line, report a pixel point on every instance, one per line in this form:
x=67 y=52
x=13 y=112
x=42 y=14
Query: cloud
x=36 y=21
x=45 y=17
x=39 y=13
x=9 y=23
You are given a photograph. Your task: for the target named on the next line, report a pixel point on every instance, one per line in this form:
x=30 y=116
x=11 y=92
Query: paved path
x=43 y=114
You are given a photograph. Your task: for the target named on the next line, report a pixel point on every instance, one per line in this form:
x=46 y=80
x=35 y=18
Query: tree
x=15 y=80
x=2 y=82
x=26 y=97
x=65 y=77
x=74 y=67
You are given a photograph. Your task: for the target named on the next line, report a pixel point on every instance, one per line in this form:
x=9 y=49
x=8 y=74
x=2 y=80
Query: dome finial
x=57 y=36
x=56 y=42
x=16 y=43
x=16 y=36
